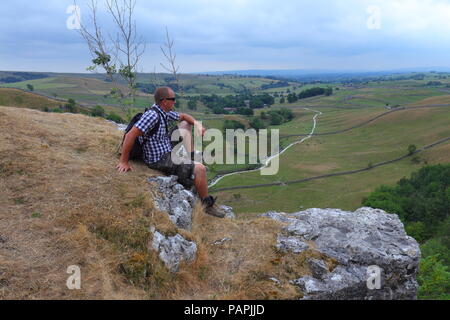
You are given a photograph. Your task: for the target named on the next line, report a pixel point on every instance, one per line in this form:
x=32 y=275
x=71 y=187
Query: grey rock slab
x=356 y=240
x=173 y=250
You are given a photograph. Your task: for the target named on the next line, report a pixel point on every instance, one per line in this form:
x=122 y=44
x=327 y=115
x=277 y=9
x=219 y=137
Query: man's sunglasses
x=171 y=99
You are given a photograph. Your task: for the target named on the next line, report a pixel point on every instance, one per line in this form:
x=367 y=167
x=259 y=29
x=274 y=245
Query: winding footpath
x=267 y=162
x=441 y=141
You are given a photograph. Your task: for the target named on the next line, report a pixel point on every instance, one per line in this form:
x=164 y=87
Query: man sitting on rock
x=157 y=148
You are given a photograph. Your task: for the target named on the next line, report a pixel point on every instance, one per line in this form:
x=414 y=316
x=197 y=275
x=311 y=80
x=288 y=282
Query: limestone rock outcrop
x=172 y=198
x=375 y=258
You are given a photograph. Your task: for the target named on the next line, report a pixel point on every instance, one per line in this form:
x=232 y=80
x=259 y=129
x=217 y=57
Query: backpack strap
x=160 y=115
x=134 y=120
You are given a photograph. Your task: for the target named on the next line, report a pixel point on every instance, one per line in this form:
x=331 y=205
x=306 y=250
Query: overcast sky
x=213 y=35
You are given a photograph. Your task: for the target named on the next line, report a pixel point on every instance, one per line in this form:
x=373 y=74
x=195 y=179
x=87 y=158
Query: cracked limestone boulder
x=376 y=259
x=174 y=199
x=178 y=202
x=173 y=250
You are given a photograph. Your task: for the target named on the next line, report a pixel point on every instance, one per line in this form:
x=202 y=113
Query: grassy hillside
x=384 y=139
x=63 y=203
x=19 y=98
x=85 y=90
x=351 y=104
x=93 y=89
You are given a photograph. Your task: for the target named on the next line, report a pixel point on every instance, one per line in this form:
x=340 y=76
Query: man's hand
x=199 y=129
x=128 y=142
x=123 y=167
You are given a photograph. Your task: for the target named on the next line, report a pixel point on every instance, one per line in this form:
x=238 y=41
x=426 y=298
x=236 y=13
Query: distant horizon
x=262 y=70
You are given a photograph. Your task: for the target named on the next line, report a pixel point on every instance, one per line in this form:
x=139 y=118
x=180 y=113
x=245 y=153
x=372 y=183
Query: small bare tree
x=129 y=48
x=101 y=53
x=170 y=56
x=125 y=48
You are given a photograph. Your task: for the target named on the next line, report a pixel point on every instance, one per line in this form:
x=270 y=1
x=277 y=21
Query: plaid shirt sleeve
x=147 y=121
x=173 y=116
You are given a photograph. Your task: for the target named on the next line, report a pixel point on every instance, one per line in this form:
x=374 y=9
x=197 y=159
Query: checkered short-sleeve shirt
x=156 y=146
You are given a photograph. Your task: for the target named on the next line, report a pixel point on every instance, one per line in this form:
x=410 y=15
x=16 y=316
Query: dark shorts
x=184 y=171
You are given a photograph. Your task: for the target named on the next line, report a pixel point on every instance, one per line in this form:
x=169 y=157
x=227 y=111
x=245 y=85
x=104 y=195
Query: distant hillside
x=60 y=86
x=308 y=75
x=11 y=76
x=306 y=72
x=19 y=98
x=91 y=88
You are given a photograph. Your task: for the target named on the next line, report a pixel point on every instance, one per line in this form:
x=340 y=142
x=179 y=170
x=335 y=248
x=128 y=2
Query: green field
x=384 y=139
x=350 y=105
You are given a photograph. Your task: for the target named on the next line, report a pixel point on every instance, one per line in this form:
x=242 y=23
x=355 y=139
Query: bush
x=116 y=118
x=276 y=119
x=436 y=246
x=71 y=106
x=434 y=279
x=425 y=198
x=423 y=204
x=411 y=149
x=192 y=105
x=245 y=111
x=287 y=114
x=416 y=230
x=257 y=124
x=98 y=111
x=233 y=124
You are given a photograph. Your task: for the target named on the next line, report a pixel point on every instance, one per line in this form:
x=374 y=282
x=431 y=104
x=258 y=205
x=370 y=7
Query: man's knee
x=199 y=170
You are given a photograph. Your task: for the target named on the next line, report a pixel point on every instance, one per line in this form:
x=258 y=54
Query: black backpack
x=136 y=152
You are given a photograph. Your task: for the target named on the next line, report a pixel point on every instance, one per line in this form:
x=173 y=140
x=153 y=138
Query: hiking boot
x=211 y=208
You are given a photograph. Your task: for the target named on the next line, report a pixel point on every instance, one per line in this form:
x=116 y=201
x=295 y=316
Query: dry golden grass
x=63 y=203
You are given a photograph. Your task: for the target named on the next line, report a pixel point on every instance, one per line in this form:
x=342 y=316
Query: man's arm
x=130 y=138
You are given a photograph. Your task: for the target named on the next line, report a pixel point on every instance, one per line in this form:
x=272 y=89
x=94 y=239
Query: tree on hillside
x=257 y=123
x=233 y=124
x=192 y=104
x=98 y=111
x=411 y=149
x=125 y=46
x=423 y=204
x=129 y=48
x=292 y=97
x=100 y=50
x=115 y=117
x=276 y=119
x=424 y=198
x=30 y=87
x=71 y=106
x=172 y=67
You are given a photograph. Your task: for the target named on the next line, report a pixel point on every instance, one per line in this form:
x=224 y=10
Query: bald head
x=162 y=93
